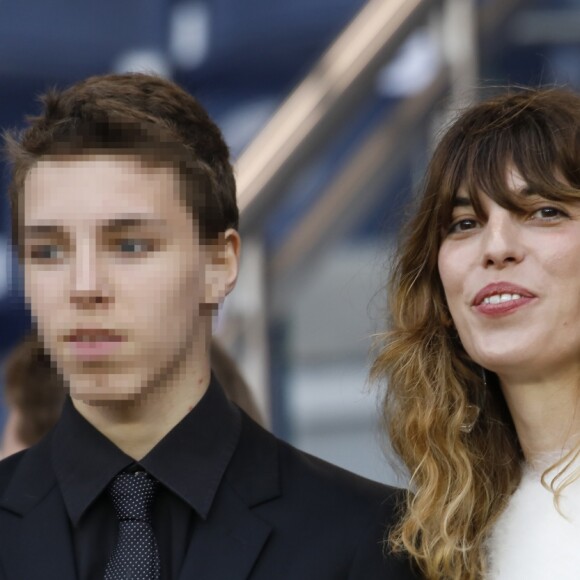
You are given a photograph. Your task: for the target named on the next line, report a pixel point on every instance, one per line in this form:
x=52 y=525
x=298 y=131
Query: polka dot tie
x=135 y=555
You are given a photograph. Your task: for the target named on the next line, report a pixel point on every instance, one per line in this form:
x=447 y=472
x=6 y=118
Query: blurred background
x=331 y=108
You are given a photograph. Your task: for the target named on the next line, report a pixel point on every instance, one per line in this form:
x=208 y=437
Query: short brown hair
x=138 y=115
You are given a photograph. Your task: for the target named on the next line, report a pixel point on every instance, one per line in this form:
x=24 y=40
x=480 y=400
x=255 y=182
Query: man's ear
x=222 y=265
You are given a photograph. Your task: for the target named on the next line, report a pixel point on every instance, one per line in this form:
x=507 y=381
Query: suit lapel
x=229 y=541
x=34 y=528
x=227 y=544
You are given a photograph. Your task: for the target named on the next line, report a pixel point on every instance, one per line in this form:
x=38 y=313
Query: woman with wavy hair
x=482 y=359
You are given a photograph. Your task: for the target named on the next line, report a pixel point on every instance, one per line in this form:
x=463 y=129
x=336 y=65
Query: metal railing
x=310 y=118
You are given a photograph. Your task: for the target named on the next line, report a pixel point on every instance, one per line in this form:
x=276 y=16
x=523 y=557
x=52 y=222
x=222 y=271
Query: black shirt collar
x=190 y=460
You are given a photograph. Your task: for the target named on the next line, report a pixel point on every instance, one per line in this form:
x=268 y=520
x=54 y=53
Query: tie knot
x=132 y=495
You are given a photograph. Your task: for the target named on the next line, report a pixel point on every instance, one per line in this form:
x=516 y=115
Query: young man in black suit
x=125 y=218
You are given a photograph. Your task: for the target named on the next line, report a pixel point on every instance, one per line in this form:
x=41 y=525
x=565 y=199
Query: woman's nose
x=502 y=244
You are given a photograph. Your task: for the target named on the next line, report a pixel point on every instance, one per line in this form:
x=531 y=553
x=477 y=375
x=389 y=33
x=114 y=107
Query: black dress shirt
x=189 y=462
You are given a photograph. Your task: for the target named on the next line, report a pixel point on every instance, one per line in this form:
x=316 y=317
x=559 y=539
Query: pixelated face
x=115 y=274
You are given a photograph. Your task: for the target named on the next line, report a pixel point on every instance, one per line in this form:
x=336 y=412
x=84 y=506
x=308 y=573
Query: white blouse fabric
x=532 y=540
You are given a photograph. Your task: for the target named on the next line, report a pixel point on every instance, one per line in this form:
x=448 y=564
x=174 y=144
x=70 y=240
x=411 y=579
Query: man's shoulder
x=300 y=465
x=337 y=521
x=315 y=481
x=310 y=480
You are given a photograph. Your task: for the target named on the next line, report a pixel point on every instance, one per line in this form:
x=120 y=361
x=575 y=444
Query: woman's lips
x=501 y=298
x=504 y=307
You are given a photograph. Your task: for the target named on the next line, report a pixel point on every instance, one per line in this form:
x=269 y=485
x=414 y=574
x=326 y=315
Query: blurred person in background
x=483 y=356
x=125 y=219
x=34 y=395
x=34 y=392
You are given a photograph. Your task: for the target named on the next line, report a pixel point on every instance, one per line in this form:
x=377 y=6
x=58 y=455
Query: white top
x=532 y=540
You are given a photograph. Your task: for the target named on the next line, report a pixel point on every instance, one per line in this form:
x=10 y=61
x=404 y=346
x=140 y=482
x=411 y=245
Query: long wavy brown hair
x=446 y=418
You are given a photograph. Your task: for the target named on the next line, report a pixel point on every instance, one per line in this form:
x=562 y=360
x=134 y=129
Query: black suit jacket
x=279 y=514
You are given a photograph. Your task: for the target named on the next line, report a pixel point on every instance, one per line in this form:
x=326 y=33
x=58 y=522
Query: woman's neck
x=546 y=413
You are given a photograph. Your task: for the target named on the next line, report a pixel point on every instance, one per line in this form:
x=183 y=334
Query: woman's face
x=512 y=284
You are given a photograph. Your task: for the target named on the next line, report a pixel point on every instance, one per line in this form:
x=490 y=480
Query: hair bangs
x=487 y=172
x=536 y=151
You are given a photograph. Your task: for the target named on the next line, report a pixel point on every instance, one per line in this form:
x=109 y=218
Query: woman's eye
x=548 y=213
x=462 y=225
